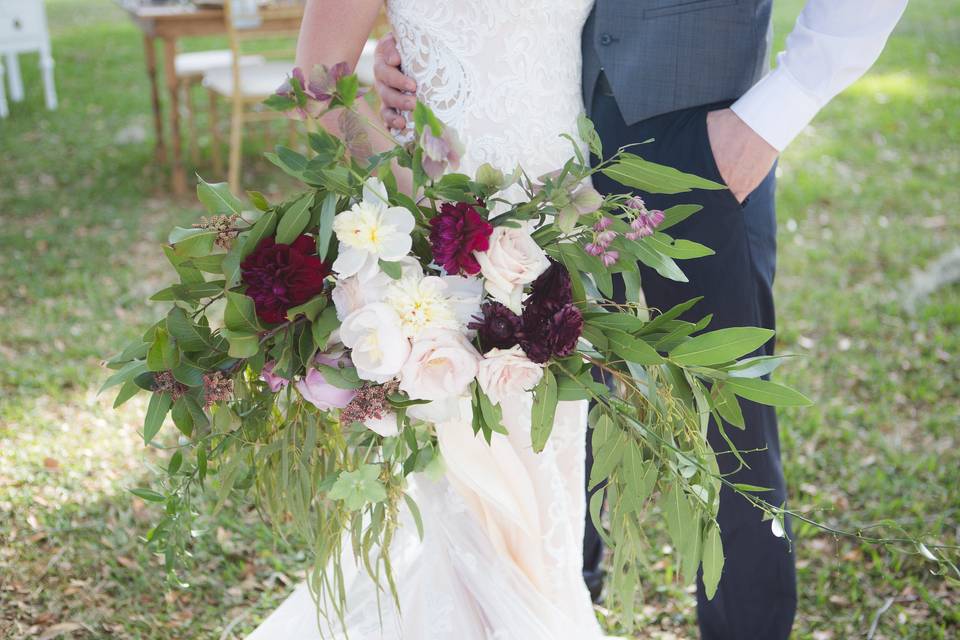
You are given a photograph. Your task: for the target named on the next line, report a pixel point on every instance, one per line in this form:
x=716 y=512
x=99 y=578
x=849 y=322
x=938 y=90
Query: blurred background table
x=169 y=23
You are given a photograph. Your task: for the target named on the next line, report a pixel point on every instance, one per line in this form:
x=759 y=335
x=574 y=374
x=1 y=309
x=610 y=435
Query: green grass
x=867 y=194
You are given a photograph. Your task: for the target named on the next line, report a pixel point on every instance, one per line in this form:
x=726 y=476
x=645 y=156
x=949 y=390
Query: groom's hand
x=394 y=88
x=743 y=157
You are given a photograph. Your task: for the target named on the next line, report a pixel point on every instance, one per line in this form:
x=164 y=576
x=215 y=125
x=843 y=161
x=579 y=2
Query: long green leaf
x=722 y=345
x=712 y=561
x=633 y=171
x=662 y=264
x=677 y=214
x=679 y=516
x=757 y=367
x=630 y=348
x=263 y=228
x=769 y=393
x=327 y=212
x=156 y=411
x=544 y=410
x=294 y=220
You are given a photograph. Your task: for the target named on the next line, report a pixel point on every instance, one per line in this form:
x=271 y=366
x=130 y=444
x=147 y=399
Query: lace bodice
x=505 y=74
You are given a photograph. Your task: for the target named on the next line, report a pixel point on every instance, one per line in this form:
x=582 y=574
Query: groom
x=692 y=75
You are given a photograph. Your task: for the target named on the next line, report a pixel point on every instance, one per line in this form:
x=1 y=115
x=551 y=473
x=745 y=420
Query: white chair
x=23 y=29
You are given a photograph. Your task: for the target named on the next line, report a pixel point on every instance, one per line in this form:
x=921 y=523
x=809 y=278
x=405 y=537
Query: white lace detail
x=504 y=73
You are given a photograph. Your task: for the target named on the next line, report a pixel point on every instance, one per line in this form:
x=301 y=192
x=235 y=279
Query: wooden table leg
x=179 y=177
x=150 y=52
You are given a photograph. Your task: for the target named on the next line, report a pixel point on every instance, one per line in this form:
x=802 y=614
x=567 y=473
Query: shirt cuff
x=777 y=108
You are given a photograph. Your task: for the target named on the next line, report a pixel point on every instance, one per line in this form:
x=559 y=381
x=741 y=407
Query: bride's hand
x=394 y=88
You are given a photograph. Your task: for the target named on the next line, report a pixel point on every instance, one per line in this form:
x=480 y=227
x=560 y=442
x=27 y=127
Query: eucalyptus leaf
x=156 y=412
x=633 y=171
x=544 y=410
x=713 y=560
x=769 y=393
x=720 y=346
x=328 y=212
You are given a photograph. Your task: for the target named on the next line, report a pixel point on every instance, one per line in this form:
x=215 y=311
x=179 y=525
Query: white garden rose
x=513 y=260
x=441 y=366
x=375 y=337
x=507 y=372
x=421 y=303
x=371 y=231
x=385 y=425
x=465 y=294
x=368 y=286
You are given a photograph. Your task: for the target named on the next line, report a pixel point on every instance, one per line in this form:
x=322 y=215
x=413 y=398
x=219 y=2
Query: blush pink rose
x=512 y=260
x=507 y=372
x=441 y=366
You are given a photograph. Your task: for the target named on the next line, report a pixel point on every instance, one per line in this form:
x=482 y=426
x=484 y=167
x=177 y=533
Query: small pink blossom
x=603 y=223
x=642 y=232
x=594 y=249
x=604 y=238
x=610 y=258
x=317 y=391
x=274 y=382
x=440 y=153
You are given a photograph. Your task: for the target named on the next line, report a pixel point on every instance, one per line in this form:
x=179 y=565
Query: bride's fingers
x=387 y=50
x=392 y=119
x=391 y=76
x=394 y=99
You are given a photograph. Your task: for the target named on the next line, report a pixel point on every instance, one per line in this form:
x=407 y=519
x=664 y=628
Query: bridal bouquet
x=313 y=346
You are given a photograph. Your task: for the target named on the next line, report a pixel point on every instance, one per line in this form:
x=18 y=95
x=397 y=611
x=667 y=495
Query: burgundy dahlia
x=455 y=233
x=499 y=328
x=282 y=276
x=552 y=288
x=547 y=333
x=551 y=322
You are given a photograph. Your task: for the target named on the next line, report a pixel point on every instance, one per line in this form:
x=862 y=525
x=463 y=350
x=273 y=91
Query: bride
x=501 y=556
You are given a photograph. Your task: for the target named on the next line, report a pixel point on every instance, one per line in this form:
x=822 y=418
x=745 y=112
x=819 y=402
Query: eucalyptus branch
x=762 y=504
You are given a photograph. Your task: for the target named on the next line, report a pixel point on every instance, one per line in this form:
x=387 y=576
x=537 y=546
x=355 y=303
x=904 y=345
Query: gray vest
x=665 y=55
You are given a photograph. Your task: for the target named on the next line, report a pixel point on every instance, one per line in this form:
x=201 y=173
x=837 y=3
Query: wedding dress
x=501 y=557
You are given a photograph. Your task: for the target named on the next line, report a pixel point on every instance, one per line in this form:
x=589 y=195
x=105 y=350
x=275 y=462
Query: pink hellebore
x=317 y=391
x=274 y=382
x=313 y=387
x=440 y=153
x=319 y=87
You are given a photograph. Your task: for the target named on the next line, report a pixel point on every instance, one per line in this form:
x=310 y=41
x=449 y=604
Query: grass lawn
x=867 y=195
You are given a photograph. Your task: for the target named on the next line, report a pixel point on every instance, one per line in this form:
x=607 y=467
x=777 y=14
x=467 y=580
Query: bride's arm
x=335 y=31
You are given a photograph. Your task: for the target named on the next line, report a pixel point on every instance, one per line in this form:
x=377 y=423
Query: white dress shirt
x=832 y=44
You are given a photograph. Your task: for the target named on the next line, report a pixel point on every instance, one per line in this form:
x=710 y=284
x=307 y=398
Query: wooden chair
x=190 y=68
x=246 y=85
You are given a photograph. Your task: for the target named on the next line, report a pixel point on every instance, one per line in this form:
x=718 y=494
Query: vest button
x=606 y=39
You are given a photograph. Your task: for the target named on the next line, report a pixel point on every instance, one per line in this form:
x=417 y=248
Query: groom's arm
x=832 y=44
